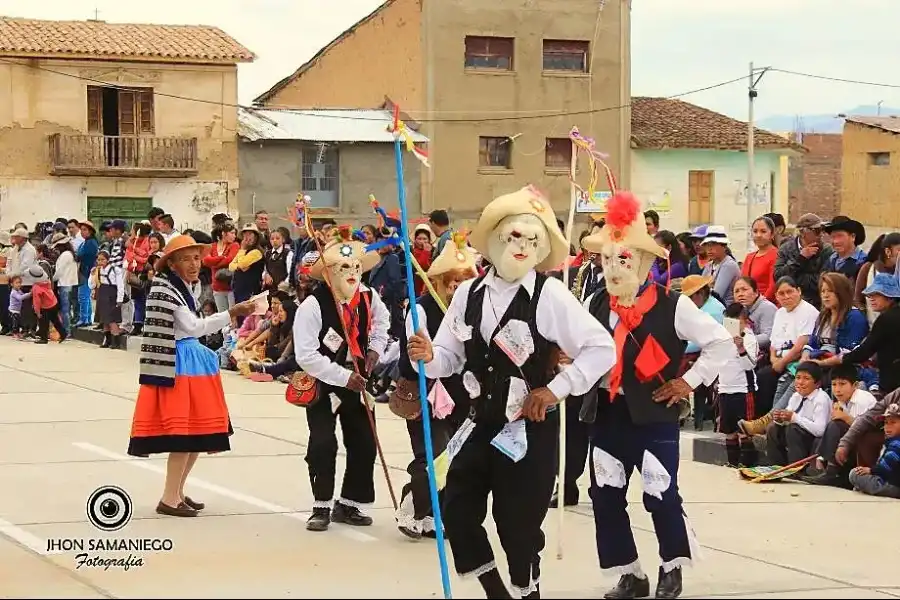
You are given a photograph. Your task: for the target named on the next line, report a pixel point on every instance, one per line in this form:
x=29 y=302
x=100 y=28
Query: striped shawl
x=157 y=366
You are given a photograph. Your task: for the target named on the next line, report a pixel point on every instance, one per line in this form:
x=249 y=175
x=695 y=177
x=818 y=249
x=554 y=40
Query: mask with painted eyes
x=518 y=244
x=624 y=270
x=345 y=278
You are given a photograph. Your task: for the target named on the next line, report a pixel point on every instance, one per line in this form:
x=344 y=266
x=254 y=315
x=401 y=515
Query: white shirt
x=788 y=327
x=191 y=325
x=815 y=413
x=308 y=324
x=560 y=319
x=168 y=236
x=66 y=274
x=593 y=272
x=859 y=402
x=733 y=378
x=694 y=325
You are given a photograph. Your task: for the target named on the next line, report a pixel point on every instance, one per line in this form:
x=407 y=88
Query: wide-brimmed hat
x=89 y=225
x=456 y=254
x=60 y=238
x=844 y=223
x=177 y=244
x=885 y=284
x=34 y=274
x=527 y=201
x=625 y=225
x=692 y=284
x=715 y=234
x=698 y=232
x=20 y=233
x=252 y=227
x=342 y=247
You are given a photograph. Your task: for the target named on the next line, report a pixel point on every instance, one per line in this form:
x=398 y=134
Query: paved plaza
x=65 y=413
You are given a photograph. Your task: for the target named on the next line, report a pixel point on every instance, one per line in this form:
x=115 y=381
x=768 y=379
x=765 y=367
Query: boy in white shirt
x=793 y=431
x=849 y=402
x=737 y=383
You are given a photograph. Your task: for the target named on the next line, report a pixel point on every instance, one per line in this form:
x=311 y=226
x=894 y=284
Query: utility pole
x=751 y=158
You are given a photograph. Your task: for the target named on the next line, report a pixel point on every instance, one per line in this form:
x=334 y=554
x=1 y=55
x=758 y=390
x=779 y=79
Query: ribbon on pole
x=300 y=216
x=401 y=135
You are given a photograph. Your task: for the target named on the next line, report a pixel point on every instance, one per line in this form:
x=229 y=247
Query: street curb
x=93 y=336
x=711 y=450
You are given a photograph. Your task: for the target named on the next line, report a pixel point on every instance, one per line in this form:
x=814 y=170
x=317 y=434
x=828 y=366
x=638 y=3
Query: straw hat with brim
x=60 y=238
x=884 y=284
x=623 y=206
x=455 y=255
x=843 y=223
x=20 y=233
x=692 y=284
x=175 y=245
x=715 y=234
x=340 y=250
x=527 y=201
x=251 y=227
x=89 y=225
x=35 y=274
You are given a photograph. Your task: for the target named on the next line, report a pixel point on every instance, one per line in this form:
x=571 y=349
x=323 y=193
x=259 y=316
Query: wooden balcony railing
x=120 y=155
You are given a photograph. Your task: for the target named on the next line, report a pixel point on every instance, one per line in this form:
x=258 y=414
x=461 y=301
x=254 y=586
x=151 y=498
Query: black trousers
x=358 y=488
x=828 y=444
x=578 y=441
x=50 y=315
x=786 y=444
x=521 y=493
x=415 y=501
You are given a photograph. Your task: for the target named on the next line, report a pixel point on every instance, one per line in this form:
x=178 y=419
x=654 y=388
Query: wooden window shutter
x=145 y=110
x=95 y=109
x=127 y=120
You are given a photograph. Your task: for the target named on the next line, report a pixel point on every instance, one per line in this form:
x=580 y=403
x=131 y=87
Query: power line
x=514 y=115
x=837 y=79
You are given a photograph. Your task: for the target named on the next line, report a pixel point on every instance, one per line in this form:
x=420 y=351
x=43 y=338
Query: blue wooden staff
x=423 y=389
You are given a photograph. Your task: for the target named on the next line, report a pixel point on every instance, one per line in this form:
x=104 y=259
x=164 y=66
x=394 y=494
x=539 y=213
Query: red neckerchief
x=351 y=324
x=630 y=318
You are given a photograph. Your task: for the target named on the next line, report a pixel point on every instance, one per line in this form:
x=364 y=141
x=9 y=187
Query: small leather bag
x=303 y=390
x=404 y=400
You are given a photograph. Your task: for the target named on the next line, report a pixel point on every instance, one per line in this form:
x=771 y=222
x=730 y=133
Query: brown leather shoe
x=182 y=510
x=193 y=504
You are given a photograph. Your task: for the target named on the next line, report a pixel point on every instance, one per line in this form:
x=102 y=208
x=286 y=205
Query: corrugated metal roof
x=887 y=123
x=318 y=125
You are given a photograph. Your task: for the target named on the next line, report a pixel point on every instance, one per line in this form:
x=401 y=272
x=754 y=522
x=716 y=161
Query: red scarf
x=350 y=321
x=630 y=318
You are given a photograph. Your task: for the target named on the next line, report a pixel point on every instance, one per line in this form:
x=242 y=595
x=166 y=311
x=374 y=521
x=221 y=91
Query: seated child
x=737 y=382
x=793 y=431
x=884 y=478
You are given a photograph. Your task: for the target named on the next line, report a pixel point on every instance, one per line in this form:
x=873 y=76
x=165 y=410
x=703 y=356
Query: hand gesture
x=419 y=348
x=863 y=470
x=672 y=391
x=356 y=383
x=267 y=279
x=371 y=361
x=809 y=251
x=242 y=309
x=840 y=457
x=537 y=402
x=739 y=344
x=837 y=413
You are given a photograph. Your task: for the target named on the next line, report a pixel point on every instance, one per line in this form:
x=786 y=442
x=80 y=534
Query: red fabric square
x=651 y=360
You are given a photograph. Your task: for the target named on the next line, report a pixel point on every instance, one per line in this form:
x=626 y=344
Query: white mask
x=345 y=277
x=624 y=270
x=517 y=245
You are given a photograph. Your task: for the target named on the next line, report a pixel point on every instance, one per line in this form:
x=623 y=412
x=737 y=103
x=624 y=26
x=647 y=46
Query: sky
x=677 y=45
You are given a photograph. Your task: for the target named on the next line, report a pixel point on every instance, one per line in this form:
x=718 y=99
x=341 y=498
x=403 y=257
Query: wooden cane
x=793 y=465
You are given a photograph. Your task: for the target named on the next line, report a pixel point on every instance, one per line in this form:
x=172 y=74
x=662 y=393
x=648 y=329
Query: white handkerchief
x=516 y=341
x=516 y=398
x=335 y=402
x=460 y=330
x=656 y=479
x=512 y=440
x=332 y=340
x=608 y=470
x=470 y=382
x=459 y=438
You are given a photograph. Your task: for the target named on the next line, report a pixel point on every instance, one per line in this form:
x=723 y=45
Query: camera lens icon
x=109 y=508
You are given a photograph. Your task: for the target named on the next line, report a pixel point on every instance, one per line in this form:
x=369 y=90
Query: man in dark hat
x=847 y=235
x=805 y=257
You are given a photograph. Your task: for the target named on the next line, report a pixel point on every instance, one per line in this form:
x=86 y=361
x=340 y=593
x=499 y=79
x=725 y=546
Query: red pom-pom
x=622 y=209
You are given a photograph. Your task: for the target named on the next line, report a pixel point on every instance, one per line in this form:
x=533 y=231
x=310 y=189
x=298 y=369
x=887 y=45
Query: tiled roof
x=318 y=125
x=99 y=39
x=661 y=123
x=890 y=124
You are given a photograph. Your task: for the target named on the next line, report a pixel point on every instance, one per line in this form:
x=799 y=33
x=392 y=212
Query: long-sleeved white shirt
x=694 y=325
x=110 y=275
x=191 y=325
x=560 y=319
x=733 y=378
x=308 y=324
x=66 y=274
x=811 y=413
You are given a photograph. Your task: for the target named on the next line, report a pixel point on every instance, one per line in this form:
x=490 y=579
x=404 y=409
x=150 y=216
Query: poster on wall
x=661 y=204
x=597 y=204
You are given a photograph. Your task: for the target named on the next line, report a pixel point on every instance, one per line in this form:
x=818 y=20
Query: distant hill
x=825 y=123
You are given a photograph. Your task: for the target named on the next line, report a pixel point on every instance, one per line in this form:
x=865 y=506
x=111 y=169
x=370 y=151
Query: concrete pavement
x=65 y=414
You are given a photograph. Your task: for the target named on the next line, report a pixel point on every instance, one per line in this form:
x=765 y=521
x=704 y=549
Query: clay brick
x=814 y=183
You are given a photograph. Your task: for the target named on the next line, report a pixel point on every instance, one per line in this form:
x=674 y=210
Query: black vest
x=276 y=266
x=453 y=384
x=490 y=365
x=660 y=322
x=331 y=320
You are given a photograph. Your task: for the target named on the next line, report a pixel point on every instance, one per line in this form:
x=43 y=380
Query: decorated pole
x=398 y=130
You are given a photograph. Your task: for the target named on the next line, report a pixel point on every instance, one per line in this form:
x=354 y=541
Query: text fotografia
x=109 y=553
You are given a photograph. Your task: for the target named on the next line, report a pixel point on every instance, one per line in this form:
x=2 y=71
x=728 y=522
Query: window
x=880 y=159
x=489 y=53
x=563 y=55
x=494 y=152
x=700 y=194
x=117 y=112
x=558 y=153
x=320 y=175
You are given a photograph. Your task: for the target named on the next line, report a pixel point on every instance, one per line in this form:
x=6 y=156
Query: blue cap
x=885 y=284
x=699 y=232
x=119 y=224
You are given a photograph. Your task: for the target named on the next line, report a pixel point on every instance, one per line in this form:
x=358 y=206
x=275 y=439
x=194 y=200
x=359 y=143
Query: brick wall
x=814 y=184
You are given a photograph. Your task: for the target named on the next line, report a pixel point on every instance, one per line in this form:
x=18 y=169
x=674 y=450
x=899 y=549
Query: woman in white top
x=65 y=276
x=180 y=409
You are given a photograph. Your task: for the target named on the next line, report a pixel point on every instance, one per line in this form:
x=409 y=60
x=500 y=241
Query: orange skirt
x=192 y=416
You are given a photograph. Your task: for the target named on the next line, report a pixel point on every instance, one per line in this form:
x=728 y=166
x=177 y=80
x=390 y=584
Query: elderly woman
x=760 y=311
x=180 y=408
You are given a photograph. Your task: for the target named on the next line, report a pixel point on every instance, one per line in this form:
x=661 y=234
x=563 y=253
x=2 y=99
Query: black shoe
x=107 y=339
x=669 y=584
x=630 y=586
x=831 y=476
x=349 y=515
x=571 y=498
x=41 y=341
x=116 y=343
x=318 y=520
x=137 y=329
x=410 y=533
